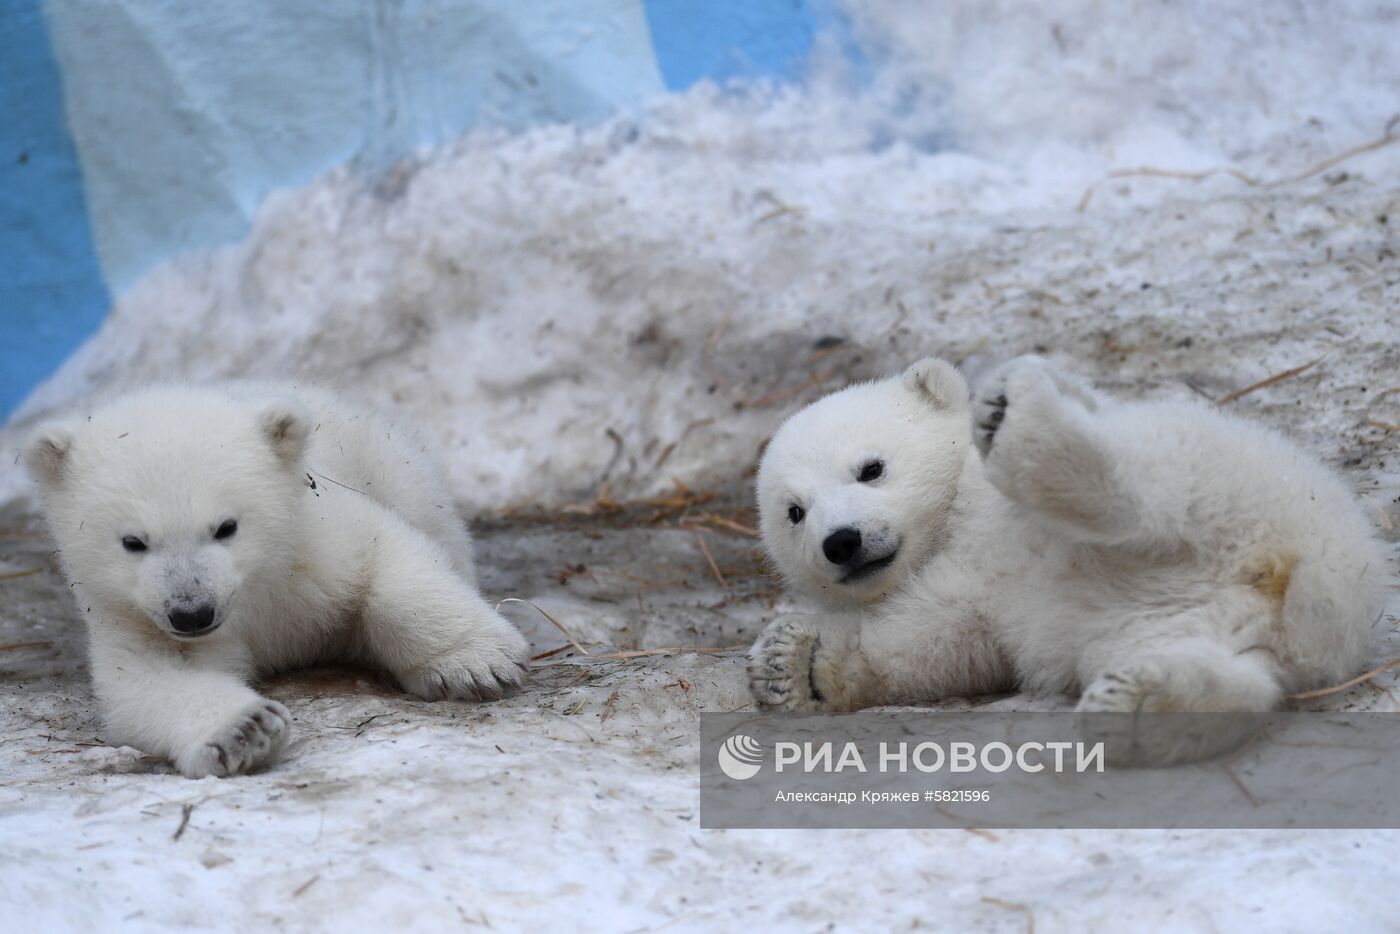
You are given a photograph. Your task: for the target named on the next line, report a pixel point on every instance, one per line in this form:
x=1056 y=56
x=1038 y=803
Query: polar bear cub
x=1157 y=556
x=213 y=535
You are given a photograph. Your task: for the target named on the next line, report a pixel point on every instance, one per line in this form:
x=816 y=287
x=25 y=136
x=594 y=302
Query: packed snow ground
x=589 y=316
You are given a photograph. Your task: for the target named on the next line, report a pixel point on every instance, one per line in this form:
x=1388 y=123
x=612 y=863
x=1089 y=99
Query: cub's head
x=169 y=501
x=854 y=490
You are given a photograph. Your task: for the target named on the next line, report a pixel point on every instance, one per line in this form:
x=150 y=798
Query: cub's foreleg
x=906 y=654
x=1046 y=445
x=428 y=626
x=195 y=710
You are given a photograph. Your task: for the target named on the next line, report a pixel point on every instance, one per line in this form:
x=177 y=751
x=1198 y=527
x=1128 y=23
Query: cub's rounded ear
x=938 y=383
x=46 y=453
x=286 y=424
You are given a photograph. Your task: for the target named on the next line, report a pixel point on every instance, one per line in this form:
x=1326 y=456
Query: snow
x=576 y=311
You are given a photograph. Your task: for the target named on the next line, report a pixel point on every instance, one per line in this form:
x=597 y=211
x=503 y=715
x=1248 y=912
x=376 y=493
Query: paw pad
x=780 y=669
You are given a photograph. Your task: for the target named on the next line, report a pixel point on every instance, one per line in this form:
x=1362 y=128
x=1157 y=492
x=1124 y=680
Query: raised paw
x=991 y=412
x=1030 y=386
x=248 y=741
x=780 y=668
x=1011 y=387
x=485 y=670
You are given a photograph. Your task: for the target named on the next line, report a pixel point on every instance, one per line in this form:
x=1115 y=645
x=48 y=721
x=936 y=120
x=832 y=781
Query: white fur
x=372 y=566
x=1158 y=556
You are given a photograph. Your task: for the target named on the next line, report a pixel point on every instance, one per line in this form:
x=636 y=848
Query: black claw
x=994 y=418
x=812 y=673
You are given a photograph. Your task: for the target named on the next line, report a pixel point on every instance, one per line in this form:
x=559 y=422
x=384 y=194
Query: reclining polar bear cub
x=1154 y=556
x=213 y=535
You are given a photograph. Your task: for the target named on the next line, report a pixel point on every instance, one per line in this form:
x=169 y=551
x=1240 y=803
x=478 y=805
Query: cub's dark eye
x=133 y=544
x=871 y=471
x=226 y=530
x=796 y=514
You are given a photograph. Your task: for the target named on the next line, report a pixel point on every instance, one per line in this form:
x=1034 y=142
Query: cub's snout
x=194 y=620
x=842 y=545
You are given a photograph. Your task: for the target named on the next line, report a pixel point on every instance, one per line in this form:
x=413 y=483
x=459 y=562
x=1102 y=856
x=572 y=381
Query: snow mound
x=643 y=300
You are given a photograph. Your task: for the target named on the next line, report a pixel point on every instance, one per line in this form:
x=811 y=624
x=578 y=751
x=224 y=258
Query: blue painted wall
x=134 y=130
x=187 y=114
x=52 y=295
x=697 y=39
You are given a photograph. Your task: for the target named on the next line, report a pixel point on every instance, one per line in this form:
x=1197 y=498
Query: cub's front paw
x=1011 y=387
x=989 y=411
x=248 y=741
x=1032 y=389
x=493 y=665
x=780 y=668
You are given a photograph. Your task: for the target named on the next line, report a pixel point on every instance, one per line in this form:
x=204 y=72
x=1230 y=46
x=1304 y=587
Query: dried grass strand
x=1338 y=688
x=1386 y=522
x=185 y=811
x=618 y=656
x=25 y=645
x=710 y=559
x=1370 y=420
x=1388 y=136
x=670 y=449
x=1154 y=172
x=1276 y=378
x=1014 y=906
x=675 y=650
x=710 y=518
x=608 y=706
x=557 y=625
x=814 y=380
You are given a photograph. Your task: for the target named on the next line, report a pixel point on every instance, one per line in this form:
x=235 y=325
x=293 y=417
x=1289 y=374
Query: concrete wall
x=149 y=127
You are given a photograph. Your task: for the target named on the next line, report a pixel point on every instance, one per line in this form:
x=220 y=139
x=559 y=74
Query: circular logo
x=740 y=757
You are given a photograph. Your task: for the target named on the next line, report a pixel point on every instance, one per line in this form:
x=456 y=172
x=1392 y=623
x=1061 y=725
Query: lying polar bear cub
x=1148 y=556
x=214 y=535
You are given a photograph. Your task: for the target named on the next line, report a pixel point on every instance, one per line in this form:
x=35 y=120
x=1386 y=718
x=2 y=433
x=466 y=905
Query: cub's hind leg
x=1176 y=698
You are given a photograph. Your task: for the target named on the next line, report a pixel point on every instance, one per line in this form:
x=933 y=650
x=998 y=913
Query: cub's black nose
x=192 y=621
x=841 y=546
